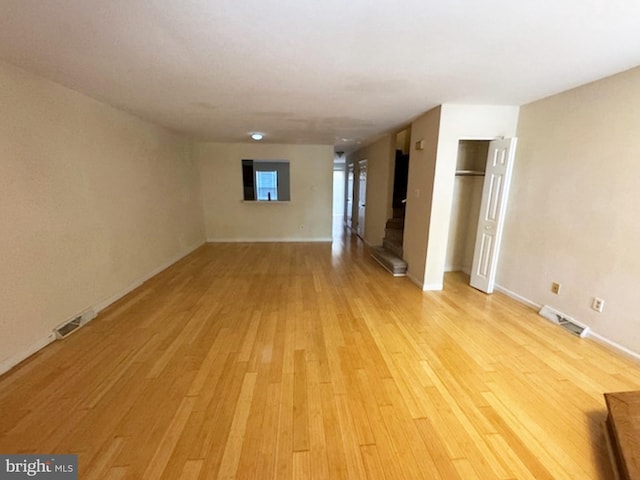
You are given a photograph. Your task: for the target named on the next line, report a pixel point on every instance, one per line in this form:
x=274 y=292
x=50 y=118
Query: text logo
x=51 y=467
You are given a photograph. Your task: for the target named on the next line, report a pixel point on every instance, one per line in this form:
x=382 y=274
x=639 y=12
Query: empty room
x=267 y=240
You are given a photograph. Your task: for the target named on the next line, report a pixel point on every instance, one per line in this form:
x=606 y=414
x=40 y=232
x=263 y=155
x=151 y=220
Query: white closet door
x=491 y=222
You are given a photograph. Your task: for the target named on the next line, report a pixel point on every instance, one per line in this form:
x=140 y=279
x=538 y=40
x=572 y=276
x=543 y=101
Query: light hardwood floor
x=262 y=361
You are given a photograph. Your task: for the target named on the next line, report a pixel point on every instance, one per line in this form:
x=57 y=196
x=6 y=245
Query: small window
x=265 y=180
x=267 y=185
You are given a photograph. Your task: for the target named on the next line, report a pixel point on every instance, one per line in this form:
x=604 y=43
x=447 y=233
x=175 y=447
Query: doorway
x=481 y=187
x=350 y=196
x=362 y=196
x=465 y=206
x=338 y=197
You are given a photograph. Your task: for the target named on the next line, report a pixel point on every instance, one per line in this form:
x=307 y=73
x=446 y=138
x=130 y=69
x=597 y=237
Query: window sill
x=265 y=201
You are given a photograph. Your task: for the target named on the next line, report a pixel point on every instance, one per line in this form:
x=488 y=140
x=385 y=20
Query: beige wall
x=574 y=207
x=465 y=209
x=380 y=158
x=92 y=201
x=403 y=140
x=307 y=217
x=422 y=165
x=465 y=206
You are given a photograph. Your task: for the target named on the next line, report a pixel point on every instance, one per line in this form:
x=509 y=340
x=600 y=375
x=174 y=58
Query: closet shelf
x=469 y=173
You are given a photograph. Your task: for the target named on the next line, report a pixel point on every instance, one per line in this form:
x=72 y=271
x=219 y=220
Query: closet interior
x=465 y=208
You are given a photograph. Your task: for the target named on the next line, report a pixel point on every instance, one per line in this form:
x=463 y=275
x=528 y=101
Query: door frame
x=362 y=202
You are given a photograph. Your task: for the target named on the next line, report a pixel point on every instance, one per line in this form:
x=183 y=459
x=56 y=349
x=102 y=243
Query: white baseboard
x=132 y=286
x=611 y=344
x=591 y=334
x=19 y=357
x=452 y=268
x=11 y=362
x=367 y=243
x=460 y=268
x=414 y=280
x=271 y=240
x=425 y=287
x=517 y=297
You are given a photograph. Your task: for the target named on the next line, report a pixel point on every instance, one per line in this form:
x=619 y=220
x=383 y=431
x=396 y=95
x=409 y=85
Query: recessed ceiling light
x=257 y=136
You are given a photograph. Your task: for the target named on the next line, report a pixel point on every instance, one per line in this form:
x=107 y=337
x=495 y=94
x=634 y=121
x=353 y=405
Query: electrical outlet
x=597 y=304
x=555 y=288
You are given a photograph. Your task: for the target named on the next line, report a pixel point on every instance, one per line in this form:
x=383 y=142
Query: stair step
x=398 y=212
x=397 y=223
x=393 y=247
x=395 y=265
x=393 y=235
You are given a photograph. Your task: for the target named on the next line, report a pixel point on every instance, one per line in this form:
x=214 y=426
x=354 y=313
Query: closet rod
x=469 y=173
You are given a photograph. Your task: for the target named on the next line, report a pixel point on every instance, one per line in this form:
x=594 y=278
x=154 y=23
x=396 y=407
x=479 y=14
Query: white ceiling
x=306 y=71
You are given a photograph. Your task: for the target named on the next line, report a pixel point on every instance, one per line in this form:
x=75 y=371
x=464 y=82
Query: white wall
x=457 y=122
x=432 y=179
x=307 y=217
x=574 y=208
x=92 y=200
x=380 y=157
x=338 y=191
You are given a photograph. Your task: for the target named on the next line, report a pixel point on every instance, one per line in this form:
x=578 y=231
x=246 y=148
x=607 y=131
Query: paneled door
x=492 y=210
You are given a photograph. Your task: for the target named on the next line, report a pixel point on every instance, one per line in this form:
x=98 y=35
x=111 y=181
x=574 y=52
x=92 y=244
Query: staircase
x=389 y=255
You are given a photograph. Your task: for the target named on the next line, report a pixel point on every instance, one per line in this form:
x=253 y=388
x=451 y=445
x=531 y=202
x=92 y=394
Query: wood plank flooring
x=261 y=361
